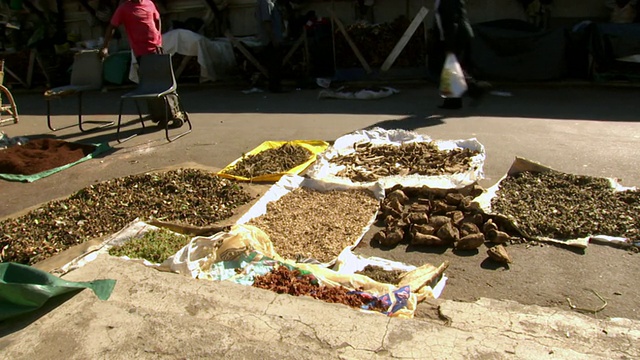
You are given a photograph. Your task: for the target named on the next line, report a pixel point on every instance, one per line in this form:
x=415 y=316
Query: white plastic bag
x=452 y=82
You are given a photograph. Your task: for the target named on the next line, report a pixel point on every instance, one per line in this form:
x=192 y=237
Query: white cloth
x=215 y=57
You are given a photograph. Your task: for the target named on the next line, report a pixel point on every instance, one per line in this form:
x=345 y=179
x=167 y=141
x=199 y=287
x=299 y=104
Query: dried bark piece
x=386 y=211
x=398 y=195
x=438 y=221
x=477 y=219
x=423 y=229
x=499 y=253
x=453 y=198
x=470 y=242
x=393 y=237
x=456 y=217
x=395 y=205
x=380 y=237
x=448 y=232
x=424 y=208
x=441 y=207
x=488 y=226
x=417 y=218
x=468 y=228
x=477 y=190
x=497 y=236
x=427 y=240
x=433 y=192
x=470 y=206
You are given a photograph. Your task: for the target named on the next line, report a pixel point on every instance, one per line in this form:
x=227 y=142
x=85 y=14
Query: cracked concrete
x=171 y=316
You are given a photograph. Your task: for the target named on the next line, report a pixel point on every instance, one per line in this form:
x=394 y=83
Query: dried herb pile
x=376 y=41
x=284 y=281
x=155 y=246
x=369 y=162
x=566 y=206
x=381 y=275
x=270 y=161
x=187 y=196
x=306 y=223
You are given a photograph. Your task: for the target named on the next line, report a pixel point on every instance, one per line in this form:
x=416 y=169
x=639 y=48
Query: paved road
x=583 y=130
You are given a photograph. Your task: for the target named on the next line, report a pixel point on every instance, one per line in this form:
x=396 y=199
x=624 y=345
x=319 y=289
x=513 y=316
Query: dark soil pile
x=566 y=206
x=370 y=162
x=186 y=196
x=271 y=161
x=284 y=281
x=40 y=155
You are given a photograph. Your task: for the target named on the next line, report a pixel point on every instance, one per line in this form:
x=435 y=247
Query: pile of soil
x=184 y=196
x=284 y=281
x=39 y=155
x=270 y=161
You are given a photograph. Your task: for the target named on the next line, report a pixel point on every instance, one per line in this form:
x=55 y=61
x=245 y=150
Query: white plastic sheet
x=324 y=169
x=216 y=57
x=364 y=94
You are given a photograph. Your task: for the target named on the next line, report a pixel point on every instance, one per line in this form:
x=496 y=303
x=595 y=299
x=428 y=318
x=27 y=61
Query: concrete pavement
x=155 y=315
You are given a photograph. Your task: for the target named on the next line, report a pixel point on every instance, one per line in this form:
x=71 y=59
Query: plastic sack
x=452 y=82
x=24 y=289
x=198 y=257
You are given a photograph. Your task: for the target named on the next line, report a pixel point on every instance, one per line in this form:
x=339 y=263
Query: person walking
x=452 y=33
x=270 y=34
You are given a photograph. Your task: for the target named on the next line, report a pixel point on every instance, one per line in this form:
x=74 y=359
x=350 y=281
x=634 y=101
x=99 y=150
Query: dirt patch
x=183 y=196
x=39 y=155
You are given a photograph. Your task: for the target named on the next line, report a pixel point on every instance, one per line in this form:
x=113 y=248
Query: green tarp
x=24 y=289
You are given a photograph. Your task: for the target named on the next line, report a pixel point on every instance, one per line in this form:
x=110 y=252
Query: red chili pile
x=284 y=281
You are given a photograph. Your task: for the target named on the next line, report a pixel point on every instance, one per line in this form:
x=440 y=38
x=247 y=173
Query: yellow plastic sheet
x=314 y=146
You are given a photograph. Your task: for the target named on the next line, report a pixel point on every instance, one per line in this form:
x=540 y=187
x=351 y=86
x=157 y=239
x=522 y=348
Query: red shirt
x=139 y=20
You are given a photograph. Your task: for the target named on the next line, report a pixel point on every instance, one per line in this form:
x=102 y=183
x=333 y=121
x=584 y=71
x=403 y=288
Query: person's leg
x=274 y=67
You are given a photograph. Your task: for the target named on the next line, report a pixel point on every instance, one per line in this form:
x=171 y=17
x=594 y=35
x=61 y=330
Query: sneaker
x=451 y=103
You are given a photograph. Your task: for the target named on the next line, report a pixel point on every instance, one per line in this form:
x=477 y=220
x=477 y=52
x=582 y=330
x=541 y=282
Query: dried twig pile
x=306 y=223
x=369 y=163
x=270 y=161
